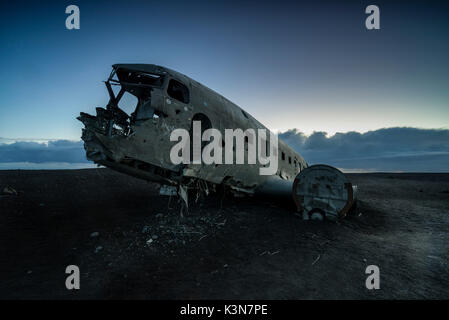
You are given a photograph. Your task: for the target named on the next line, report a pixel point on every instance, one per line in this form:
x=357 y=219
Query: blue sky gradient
x=309 y=65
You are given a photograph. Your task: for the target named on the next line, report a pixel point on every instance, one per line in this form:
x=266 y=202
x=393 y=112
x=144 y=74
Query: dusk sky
x=307 y=65
x=310 y=66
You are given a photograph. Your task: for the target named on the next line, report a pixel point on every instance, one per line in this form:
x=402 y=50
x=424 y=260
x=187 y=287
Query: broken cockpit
x=146 y=86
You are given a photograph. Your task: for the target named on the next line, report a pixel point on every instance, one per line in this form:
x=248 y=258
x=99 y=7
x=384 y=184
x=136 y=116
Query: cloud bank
x=53 y=154
x=391 y=149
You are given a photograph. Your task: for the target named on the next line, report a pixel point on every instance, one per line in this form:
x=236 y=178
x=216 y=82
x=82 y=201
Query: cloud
x=390 y=149
x=45 y=165
x=63 y=151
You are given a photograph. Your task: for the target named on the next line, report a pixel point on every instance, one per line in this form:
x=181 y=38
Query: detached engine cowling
x=323 y=192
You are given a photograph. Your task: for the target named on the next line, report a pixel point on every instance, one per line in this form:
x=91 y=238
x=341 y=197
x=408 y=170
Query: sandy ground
x=225 y=248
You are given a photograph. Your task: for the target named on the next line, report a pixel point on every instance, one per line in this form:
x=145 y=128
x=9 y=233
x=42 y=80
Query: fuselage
x=139 y=143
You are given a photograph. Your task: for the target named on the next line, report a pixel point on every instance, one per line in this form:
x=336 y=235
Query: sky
x=311 y=66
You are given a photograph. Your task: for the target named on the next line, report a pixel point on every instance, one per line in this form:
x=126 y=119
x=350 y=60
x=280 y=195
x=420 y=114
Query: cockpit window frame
x=174 y=97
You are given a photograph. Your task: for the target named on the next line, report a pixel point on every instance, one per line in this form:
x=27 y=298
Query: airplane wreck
x=138 y=143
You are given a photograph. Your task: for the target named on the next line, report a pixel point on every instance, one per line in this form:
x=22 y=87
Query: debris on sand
x=10 y=191
x=316 y=260
x=98 y=249
x=220 y=224
x=269 y=253
x=325 y=242
x=169 y=229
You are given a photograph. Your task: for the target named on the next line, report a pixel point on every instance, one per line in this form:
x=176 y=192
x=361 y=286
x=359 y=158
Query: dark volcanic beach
x=130 y=242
